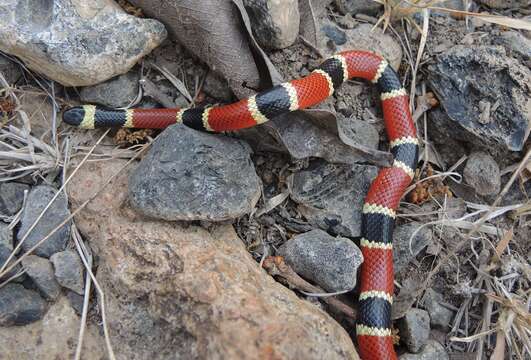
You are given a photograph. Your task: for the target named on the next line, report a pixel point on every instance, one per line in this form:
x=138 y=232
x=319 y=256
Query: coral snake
x=373 y=327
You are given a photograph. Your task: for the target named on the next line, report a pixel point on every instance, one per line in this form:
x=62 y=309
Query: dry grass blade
x=179 y=85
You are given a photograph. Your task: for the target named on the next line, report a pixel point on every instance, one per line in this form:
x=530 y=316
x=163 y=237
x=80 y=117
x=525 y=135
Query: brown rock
x=53 y=337
x=182 y=291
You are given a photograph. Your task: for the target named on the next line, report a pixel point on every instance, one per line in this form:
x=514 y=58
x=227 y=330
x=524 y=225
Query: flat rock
x=192 y=175
x=176 y=291
x=368 y=7
x=464 y=76
x=41 y=272
x=38 y=199
x=303 y=139
x=119 y=91
x=74 y=42
x=332 y=263
x=432 y=351
x=440 y=316
x=483 y=173
x=406 y=247
x=54 y=337
x=275 y=23
x=11 y=197
x=415 y=329
x=6 y=236
x=19 y=306
x=331 y=196
x=68 y=270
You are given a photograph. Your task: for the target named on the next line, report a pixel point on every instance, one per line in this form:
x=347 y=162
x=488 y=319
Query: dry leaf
x=212 y=30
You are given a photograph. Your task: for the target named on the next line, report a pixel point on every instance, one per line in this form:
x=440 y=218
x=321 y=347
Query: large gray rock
x=275 y=23
x=19 y=306
x=483 y=173
x=11 y=197
x=439 y=315
x=432 y=351
x=192 y=175
x=117 y=92
x=405 y=248
x=331 y=263
x=68 y=270
x=331 y=196
x=76 y=42
x=37 y=200
x=414 y=329
x=464 y=76
x=40 y=270
x=369 y=7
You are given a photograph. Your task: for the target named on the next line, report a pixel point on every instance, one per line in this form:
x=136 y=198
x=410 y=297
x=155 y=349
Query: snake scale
x=373 y=327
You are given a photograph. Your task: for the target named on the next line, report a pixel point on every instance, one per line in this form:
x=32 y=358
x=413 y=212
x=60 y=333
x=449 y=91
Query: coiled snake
x=373 y=327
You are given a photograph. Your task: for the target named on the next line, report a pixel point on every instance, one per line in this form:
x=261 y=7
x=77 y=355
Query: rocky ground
x=178 y=244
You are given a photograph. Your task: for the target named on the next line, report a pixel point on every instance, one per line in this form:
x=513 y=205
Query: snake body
x=373 y=327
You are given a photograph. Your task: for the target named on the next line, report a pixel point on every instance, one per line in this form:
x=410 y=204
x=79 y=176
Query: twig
x=276 y=266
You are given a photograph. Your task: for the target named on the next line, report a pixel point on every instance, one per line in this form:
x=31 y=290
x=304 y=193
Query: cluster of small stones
x=51 y=269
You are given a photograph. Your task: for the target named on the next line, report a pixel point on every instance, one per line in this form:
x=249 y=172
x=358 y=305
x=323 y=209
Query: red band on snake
x=376 y=290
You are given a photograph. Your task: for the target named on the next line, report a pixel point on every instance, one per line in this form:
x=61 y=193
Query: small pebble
x=414 y=329
x=440 y=316
x=38 y=199
x=69 y=270
x=432 y=351
x=19 y=306
x=11 y=197
x=482 y=172
x=76 y=301
x=120 y=91
x=40 y=270
x=406 y=248
x=331 y=263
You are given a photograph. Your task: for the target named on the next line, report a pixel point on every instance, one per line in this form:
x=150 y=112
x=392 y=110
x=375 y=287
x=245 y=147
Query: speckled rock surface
x=465 y=75
x=191 y=175
x=75 y=42
x=331 y=196
x=331 y=263
x=432 y=351
x=483 y=173
x=182 y=291
x=37 y=200
x=406 y=246
x=368 y=7
x=414 y=329
x=54 y=337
